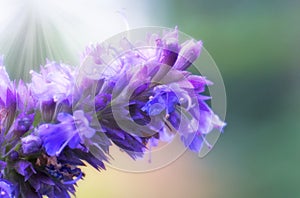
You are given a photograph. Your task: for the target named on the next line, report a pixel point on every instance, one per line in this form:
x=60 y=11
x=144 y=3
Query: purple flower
x=70 y=131
x=153 y=94
x=31 y=144
x=16 y=107
x=55 y=81
x=47 y=109
x=169 y=48
x=25 y=169
x=5 y=83
x=7 y=189
x=94 y=64
x=189 y=52
x=25 y=100
x=7 y=101
x=126 y=95
x=22 y=124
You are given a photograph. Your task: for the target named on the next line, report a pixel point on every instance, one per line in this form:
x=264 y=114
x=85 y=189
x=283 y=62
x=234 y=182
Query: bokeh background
x=256 y=45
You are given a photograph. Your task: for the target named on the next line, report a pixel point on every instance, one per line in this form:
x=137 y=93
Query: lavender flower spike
x=128 y=96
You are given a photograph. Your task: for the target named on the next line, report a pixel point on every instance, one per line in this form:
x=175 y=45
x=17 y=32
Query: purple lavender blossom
x=153 y=95
x=68 y=116
x=7 y=189
x=55 y=81
x=70 y=131
x=31 y=144
x=26 y=170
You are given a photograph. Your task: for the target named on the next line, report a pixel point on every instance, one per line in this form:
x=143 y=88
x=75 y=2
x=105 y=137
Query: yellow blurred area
x=186 y=177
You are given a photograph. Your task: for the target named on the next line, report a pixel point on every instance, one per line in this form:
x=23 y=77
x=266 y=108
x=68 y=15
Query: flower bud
x=31 y=144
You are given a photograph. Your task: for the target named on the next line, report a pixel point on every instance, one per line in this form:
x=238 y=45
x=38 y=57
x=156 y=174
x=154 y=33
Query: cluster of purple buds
x=68 y=116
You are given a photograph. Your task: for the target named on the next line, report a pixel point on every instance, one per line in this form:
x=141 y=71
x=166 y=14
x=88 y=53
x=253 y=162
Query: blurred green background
x=256 y=45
